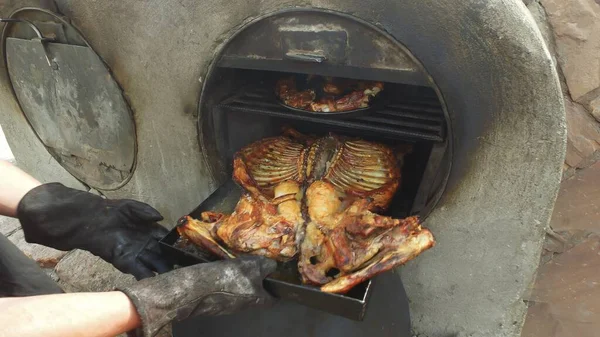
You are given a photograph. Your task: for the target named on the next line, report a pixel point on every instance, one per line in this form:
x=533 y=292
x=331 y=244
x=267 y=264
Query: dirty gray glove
x=216 y=288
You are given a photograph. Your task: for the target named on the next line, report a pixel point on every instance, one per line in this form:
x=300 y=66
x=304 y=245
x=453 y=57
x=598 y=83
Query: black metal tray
x=285 y=282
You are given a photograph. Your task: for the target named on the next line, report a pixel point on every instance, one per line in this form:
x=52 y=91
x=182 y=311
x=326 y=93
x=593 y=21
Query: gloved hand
x=216 y=288
x=122 y=232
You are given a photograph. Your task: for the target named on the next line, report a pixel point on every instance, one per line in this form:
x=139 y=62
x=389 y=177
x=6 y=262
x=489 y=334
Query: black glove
x=216 y=288
x=121 y=232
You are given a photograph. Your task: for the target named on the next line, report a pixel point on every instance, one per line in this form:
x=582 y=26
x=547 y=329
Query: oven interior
x=244 y=108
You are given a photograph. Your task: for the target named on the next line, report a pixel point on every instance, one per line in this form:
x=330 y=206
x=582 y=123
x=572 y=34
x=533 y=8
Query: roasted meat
x=365 y=170
x=337 y=94
x=333 y=89
x=357 y=99
x=265 y=228
x=346 y=246
x=288 y=93
x=357 y=168
x=203 y=233
x=340 y=240
x=259 y=167
x=399 y=246
x=255 y=227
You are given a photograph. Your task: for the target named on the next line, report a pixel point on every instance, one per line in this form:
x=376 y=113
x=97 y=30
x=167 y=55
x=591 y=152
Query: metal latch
x=305 y=57
x=40 y=37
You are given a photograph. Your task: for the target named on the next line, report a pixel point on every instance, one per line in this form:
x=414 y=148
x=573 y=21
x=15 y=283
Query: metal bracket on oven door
x=309 y=44
x=304 y=57
x=40 y=37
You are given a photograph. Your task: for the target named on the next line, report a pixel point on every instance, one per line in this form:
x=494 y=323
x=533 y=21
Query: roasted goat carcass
x=340 y=240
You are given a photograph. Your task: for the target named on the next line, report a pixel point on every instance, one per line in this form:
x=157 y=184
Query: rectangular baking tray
x=285 y=282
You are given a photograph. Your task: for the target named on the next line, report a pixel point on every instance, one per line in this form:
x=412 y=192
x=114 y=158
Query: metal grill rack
x=405 y=116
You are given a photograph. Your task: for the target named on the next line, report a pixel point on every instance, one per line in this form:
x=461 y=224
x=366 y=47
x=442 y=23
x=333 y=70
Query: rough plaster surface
x=508 y=111
x=82 y=271
x=8 y=225
x=539 y=16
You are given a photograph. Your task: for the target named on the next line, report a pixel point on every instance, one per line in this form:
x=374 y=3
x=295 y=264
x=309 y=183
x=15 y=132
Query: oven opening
x=239 y=106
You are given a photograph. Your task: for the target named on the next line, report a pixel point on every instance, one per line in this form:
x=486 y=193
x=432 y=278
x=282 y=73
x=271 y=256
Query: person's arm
x=14 y=184
x=68 y=315
x=208 y=289
x=122 y=232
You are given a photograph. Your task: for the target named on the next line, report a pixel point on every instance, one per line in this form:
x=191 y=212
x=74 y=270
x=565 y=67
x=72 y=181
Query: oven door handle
x=305 y=57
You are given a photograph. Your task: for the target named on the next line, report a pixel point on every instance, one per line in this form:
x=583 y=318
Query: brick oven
x=150 y=101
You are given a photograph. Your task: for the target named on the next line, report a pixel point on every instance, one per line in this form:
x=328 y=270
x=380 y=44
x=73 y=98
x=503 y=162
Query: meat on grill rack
x=330 y=95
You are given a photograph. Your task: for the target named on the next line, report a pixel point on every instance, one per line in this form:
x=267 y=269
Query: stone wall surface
x=572 y=31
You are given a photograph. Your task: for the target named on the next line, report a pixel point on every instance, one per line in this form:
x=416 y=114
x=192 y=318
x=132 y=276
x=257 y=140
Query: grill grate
x=415 y=117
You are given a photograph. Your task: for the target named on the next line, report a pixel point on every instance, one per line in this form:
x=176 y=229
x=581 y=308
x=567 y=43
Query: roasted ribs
x=333 y=95
x=340 y=240
x=260 y=167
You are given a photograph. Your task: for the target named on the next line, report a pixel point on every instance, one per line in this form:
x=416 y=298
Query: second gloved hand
x=207 y=289
x=122 y=232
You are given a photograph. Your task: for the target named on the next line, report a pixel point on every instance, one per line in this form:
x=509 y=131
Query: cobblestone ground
x=565 y=300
